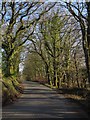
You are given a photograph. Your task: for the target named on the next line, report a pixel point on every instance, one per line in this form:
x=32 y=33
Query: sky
x=46 y=0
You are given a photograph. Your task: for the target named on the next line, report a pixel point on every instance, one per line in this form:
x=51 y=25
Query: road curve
x=39 y=101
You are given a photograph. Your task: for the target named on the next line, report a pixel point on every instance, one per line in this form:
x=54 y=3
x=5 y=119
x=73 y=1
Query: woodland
x=48 y=42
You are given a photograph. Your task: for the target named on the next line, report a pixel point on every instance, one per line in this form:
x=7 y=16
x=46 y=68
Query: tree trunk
x=88 y=25
x=54 y=74
x=85 y=51
x=88 y=38
x=47 y=74
x=76 y=69
x=7 y=71
x=54 y=63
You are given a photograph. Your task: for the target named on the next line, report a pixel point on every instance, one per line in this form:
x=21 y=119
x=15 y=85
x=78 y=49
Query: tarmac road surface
x=39 y=101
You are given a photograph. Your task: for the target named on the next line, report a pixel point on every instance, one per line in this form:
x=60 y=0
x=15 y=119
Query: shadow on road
x=39 y=102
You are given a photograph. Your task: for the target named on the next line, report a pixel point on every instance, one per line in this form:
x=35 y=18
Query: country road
x=39 y=101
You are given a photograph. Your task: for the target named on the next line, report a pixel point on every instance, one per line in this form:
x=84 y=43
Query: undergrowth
x=11 y=90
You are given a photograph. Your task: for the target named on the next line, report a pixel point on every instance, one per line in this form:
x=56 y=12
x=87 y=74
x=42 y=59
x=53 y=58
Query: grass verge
x=11 y=90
